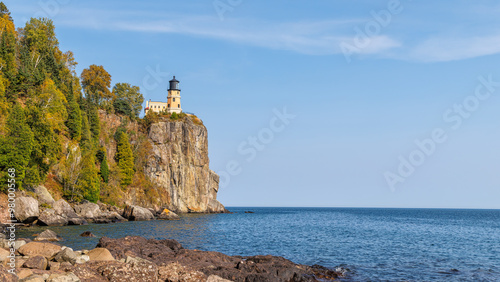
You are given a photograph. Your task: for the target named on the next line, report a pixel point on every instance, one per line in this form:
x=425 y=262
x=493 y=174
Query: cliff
x=179 y=164
x=172 y=156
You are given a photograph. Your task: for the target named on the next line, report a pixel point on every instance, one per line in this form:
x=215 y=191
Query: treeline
x=49 y=115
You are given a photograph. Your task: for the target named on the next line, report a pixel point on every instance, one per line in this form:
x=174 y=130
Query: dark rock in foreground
x=172 y=259
x=140 y=259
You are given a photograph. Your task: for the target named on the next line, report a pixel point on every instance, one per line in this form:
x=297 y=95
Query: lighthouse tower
x=174 y=97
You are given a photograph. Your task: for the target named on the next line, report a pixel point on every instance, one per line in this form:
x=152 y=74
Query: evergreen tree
x=74 y=121
x=16 y=146
x=88 y=183
x=125 y=159
x=104 y=170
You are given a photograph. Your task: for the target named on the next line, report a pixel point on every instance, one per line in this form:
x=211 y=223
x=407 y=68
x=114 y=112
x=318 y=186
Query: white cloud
x=321 y=37
x=456 y=48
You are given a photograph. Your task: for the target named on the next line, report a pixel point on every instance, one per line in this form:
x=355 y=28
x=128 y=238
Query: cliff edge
x=172 y=156
x=179 y=164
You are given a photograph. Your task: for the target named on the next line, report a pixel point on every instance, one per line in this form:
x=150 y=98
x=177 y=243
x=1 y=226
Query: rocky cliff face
x=179 y=164
x=176 y=164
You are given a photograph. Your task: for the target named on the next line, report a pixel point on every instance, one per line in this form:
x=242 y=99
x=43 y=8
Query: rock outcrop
x=26 y=209
x=179 y=164
x=136 y=213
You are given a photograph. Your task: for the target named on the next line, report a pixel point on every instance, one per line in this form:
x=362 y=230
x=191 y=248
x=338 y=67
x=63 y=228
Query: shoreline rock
x=141 y=259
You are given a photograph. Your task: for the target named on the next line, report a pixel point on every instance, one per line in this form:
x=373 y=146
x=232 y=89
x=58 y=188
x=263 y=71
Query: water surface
x=374 y=244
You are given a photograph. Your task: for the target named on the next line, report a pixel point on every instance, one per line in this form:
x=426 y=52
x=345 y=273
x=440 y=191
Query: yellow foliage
x=7 y=25
x=52 y=102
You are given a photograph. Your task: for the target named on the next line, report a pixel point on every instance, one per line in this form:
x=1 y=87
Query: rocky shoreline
x=141 y=259
x=30 y=211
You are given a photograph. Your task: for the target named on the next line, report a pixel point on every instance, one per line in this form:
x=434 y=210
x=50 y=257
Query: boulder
x=6 y=244
x=82 y=259
x=24 y=272
x=67 y=277
x=168 y=215
x=47 y=235
x=4 y=255
x=136 y=213
x=47 y=250
x=54 y=265
x=215 y=278
x=49 y=218
x=67 y=255
x=135 y=271
x=177 y=272
x=100 y=254
x=88 y=210
x=109 y=217
x=36 y=262
x=62 y=208
x=26 y=210
x=87 y=234
x=44 y=196
x=34 y=278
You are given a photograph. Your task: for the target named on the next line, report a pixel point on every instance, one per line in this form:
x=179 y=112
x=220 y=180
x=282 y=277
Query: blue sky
x=364 y=80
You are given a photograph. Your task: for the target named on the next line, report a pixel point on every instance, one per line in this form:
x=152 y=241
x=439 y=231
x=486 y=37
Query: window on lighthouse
x=178 y=105
x=174 y=99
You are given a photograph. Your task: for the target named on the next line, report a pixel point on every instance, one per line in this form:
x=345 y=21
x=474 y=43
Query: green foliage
x=104 y=170
x=123 y=107
x=88 y=182
x=119 y=132
x=125 y=159
x=127 y=94
x=74 y=122
x=174 y=116
x=4 y=10
x=86 y=141
x=16 y=146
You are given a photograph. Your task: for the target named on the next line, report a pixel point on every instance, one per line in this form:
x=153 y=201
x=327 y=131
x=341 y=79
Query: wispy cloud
x=455 y=48
x=321 y=37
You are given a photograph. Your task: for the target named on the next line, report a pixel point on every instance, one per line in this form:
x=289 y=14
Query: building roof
x=174 y=80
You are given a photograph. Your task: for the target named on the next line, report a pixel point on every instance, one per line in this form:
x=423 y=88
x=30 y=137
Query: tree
x=4 y=10
x=125 y=159
x=104 y=170
x=71 y=167
x=128 y=94
x=88 y=182
x=123 y=107
x=96 y=82
x=74 y=121
x=16 y=146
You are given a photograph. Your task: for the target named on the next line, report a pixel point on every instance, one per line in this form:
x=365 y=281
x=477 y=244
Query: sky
x=314 y=103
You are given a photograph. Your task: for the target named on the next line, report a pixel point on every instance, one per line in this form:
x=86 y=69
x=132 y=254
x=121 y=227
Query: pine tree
x=104 y=170
x=74 y=122
x=125 y=159
x=88 y=183
x=16 y=146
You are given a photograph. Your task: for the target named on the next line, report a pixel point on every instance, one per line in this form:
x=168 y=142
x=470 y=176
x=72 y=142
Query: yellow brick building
x=173 y=104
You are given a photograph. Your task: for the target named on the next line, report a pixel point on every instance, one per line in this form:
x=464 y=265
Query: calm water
x=374 y=244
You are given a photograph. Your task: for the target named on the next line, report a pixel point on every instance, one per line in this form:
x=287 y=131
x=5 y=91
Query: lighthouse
x=174 y=97
x=173 y=104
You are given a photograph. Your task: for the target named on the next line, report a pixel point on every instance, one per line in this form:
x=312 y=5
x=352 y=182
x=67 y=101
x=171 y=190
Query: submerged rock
x=48 y=235
x=168 y=215
x=87 y=234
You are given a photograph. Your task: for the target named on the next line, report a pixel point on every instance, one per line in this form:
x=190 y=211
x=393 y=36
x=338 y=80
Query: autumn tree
x=127 y=95
x=96 y=82
x=125 y=159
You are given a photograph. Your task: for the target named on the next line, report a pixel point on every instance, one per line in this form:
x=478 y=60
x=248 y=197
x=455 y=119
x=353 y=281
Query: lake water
x=374 y=244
